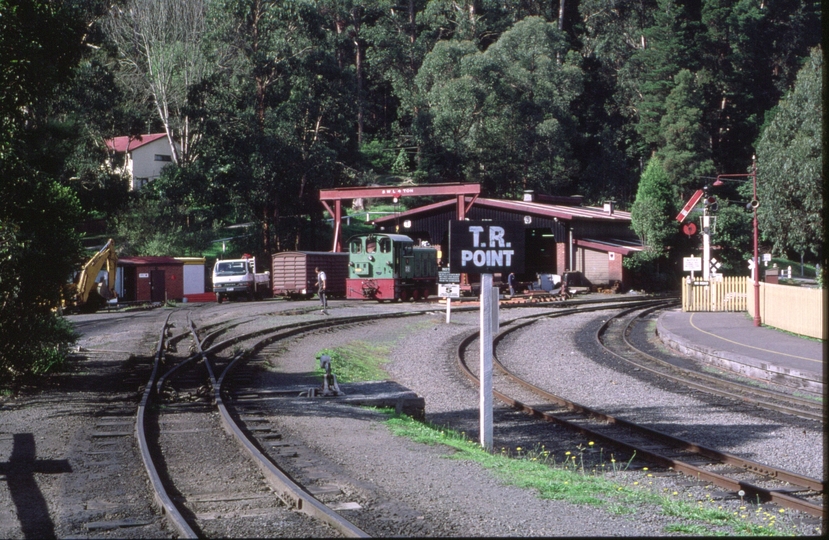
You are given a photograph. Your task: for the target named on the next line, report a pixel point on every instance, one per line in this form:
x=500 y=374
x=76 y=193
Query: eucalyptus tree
x=396 y=46
x=278 y=117
x=684 y=143
x=750 y=52
x=502 y=117
x=159 y=48
x=41 y=43
x=790 y=183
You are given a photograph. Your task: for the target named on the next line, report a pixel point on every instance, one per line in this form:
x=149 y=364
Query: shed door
x=130 y=285
x=158 y=292
x=596 y=266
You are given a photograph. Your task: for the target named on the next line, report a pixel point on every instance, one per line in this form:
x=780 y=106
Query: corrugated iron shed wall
x=437 y=225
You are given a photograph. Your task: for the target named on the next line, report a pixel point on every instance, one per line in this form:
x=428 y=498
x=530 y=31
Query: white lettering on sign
x=488 y=257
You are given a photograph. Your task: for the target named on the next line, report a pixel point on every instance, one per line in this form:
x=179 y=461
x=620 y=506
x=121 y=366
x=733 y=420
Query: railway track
x=203 y=400
x=749 y=479
x=183 y=409
x=614 y=335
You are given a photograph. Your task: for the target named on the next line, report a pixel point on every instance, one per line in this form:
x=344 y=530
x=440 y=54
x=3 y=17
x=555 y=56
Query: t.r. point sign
x=486 y=247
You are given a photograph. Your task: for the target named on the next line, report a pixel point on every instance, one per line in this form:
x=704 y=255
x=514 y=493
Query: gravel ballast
x=420 y=488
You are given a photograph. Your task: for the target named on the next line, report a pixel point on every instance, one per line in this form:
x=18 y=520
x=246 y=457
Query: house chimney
x=608 y=207
x=529 y=195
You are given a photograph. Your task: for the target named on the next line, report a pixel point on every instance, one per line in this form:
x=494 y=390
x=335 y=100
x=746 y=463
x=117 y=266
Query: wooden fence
x=799 y=310
x=721 y=294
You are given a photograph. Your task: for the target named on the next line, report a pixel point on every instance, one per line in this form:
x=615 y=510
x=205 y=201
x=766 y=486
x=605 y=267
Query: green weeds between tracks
x=566 y=478
x=356 y=361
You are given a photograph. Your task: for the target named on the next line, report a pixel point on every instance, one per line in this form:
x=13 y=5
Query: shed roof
x=616 y=245
x=392 y=236
x=559 y=211
x=149 y=261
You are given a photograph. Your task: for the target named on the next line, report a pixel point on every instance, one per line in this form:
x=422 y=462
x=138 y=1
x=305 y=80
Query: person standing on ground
x=511 y=283
x=321 y=278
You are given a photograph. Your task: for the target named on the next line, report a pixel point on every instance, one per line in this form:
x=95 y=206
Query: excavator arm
x=104 y=258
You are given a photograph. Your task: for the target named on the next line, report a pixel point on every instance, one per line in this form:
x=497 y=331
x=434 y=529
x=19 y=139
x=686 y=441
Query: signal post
x=486 y=247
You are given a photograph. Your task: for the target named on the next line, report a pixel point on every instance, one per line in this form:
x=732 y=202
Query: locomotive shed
x=560 y=233
x=415 y=488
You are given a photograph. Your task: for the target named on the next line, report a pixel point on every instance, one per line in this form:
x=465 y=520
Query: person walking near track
x=321 y=278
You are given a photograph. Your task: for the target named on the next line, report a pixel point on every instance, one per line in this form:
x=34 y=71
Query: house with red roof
x=141 y=157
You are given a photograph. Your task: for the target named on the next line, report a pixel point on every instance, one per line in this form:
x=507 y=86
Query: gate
x=717 y=294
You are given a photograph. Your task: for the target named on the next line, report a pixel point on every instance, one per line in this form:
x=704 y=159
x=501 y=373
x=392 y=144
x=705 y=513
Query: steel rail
x=291 y=493
x=728 y=483
x=168 y=508
x=155 y=384
x=744 y=392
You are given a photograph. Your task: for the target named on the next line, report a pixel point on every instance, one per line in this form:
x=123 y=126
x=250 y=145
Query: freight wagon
x=294 y=276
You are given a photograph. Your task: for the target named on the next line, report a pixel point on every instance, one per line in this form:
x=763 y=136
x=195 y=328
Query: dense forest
x=270 y=100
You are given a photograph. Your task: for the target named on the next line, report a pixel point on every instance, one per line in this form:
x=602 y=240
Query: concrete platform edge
x=742 y=365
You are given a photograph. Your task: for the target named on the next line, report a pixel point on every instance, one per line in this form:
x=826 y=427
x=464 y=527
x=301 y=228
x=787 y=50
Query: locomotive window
x=371 y=245
x=385 y=245
x=356 y=246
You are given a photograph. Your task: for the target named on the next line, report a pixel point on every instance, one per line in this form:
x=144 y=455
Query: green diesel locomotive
x=390 y=267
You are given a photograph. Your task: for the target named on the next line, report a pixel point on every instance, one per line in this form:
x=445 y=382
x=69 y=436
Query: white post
x=706 y=245
x=448 y=306
x=485 y=372
x=496 y=304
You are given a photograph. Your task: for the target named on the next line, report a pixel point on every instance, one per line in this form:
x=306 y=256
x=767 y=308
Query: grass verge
x=568 y=481
x=356 y=361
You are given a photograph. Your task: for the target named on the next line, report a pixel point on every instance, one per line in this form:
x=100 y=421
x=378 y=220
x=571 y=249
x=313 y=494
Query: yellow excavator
x=91 y=295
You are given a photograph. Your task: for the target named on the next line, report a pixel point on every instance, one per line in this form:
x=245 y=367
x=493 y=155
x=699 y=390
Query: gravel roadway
x=69 y=491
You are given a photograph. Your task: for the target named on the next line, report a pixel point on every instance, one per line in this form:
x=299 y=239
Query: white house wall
x=143 y=163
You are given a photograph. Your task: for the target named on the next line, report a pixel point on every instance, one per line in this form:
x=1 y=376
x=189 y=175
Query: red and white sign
x=692 y=202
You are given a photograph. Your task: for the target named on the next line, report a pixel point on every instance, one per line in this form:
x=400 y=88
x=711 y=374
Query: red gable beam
x=458 y=190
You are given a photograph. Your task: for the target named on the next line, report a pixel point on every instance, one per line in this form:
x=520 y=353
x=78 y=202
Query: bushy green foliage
x=273 y=101
x=653 y=212
x=502 y=116
x=733 y=236
x=790 y=183
x=685 y=147
x=34 y=338
x=40 y=45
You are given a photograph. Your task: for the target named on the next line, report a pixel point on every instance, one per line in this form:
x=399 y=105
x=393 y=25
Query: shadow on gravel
x=20 y=470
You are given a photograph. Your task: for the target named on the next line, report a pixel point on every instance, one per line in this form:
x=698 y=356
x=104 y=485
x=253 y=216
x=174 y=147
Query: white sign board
x=449 y=290
x=692 y=264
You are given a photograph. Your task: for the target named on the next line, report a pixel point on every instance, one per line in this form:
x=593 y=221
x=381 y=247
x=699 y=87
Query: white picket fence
x=718 y=294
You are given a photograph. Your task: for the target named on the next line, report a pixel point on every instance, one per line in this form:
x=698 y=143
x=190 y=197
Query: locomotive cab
x=389 y=267
x=372 y=257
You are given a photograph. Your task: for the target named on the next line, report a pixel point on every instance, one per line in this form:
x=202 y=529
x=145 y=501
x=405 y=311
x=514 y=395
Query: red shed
x=153 y=279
